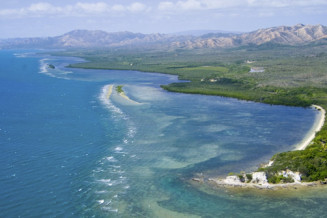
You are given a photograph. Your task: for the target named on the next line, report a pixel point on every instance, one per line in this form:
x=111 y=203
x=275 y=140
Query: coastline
x=318 y=124
x=123 y=95
x=260 y=180
x=266 y=186
x=300 y=146
x=109 y=92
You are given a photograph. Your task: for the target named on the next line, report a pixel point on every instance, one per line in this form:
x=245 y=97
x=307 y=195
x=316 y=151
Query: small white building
x=257 y=70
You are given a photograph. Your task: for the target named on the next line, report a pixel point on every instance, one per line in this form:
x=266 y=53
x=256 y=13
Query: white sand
x=318 y=124
x=109 y=91
x=122 y=94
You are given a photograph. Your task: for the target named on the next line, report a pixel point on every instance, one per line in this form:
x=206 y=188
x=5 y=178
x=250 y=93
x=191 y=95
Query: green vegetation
x=275 y=179
x=249 y=177
x=293 y=75
x=241 y=177
x=311 y=162
x=119 y=89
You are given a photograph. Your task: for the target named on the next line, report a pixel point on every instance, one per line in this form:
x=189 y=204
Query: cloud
x=183 y=5
x=40 y=7
x=137 y=7
x=99 y=7
x=79 y=9
x=118 y=8
x=190 y=5
x=163 y=6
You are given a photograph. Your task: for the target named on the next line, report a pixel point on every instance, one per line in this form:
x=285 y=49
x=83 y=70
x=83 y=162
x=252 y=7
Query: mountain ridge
x=284 y=35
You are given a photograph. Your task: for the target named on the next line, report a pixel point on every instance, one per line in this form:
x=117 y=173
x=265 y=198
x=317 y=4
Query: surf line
x=109 y=91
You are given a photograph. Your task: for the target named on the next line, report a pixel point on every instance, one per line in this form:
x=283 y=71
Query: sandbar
x=109 y=91
x=122 y=94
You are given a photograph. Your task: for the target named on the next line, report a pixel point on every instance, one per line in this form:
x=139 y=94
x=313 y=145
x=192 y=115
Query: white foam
x=109 y=209
x=44 y=66
x=111 y=159
x=117 y=171
x=101 y=201
x=56 y=73
x=115 y=166
x=106 y=101
x=101 y=192
x=118 y=149
x=113 y=182
x=104 y=180
x=131 y=132
x=22 y=55
x=98 y=170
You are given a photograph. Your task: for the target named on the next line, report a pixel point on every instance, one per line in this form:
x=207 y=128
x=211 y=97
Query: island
x=51 y=66
x=121 y=93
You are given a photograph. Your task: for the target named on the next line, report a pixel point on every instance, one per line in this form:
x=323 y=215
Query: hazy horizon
x=35 y=18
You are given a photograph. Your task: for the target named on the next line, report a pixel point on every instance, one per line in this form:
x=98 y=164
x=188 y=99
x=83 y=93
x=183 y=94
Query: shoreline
x=122 y=94
x=109 y=92
x=261 y=181
x=318 y=124
x=266 y=186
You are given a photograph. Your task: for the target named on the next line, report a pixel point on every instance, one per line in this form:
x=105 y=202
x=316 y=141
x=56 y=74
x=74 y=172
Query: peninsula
x=294 y=75
x=284 y=177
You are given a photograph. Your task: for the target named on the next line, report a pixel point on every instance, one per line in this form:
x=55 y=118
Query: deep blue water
x=67 y=150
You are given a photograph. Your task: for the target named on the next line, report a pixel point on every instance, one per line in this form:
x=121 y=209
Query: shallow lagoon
x=66 y=149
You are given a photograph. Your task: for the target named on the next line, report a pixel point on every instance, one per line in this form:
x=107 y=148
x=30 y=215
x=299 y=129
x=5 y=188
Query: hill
x=295 y=35
x=285 y=35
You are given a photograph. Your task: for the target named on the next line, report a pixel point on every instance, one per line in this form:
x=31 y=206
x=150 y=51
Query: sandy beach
x=233 y=181
x=123 y=95
x=318 y=124
x=109 y=91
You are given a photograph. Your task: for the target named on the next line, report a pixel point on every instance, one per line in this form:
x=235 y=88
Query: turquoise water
x=68 y=149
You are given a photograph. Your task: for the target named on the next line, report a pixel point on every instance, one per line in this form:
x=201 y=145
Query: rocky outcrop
x=232 y=180
x=257 y=180
x=296 y=176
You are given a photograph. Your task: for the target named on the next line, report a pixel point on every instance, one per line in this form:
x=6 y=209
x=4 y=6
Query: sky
x=40 y=18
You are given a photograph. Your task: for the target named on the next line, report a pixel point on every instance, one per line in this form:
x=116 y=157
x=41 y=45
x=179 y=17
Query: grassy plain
x=293 y=75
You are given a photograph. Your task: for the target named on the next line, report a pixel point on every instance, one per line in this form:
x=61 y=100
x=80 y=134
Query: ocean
x=71 y=146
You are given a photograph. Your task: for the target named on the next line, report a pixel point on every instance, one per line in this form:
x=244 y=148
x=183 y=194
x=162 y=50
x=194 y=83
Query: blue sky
x=30 y=18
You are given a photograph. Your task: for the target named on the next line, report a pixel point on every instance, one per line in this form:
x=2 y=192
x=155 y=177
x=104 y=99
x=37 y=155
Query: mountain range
x=285 y=35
